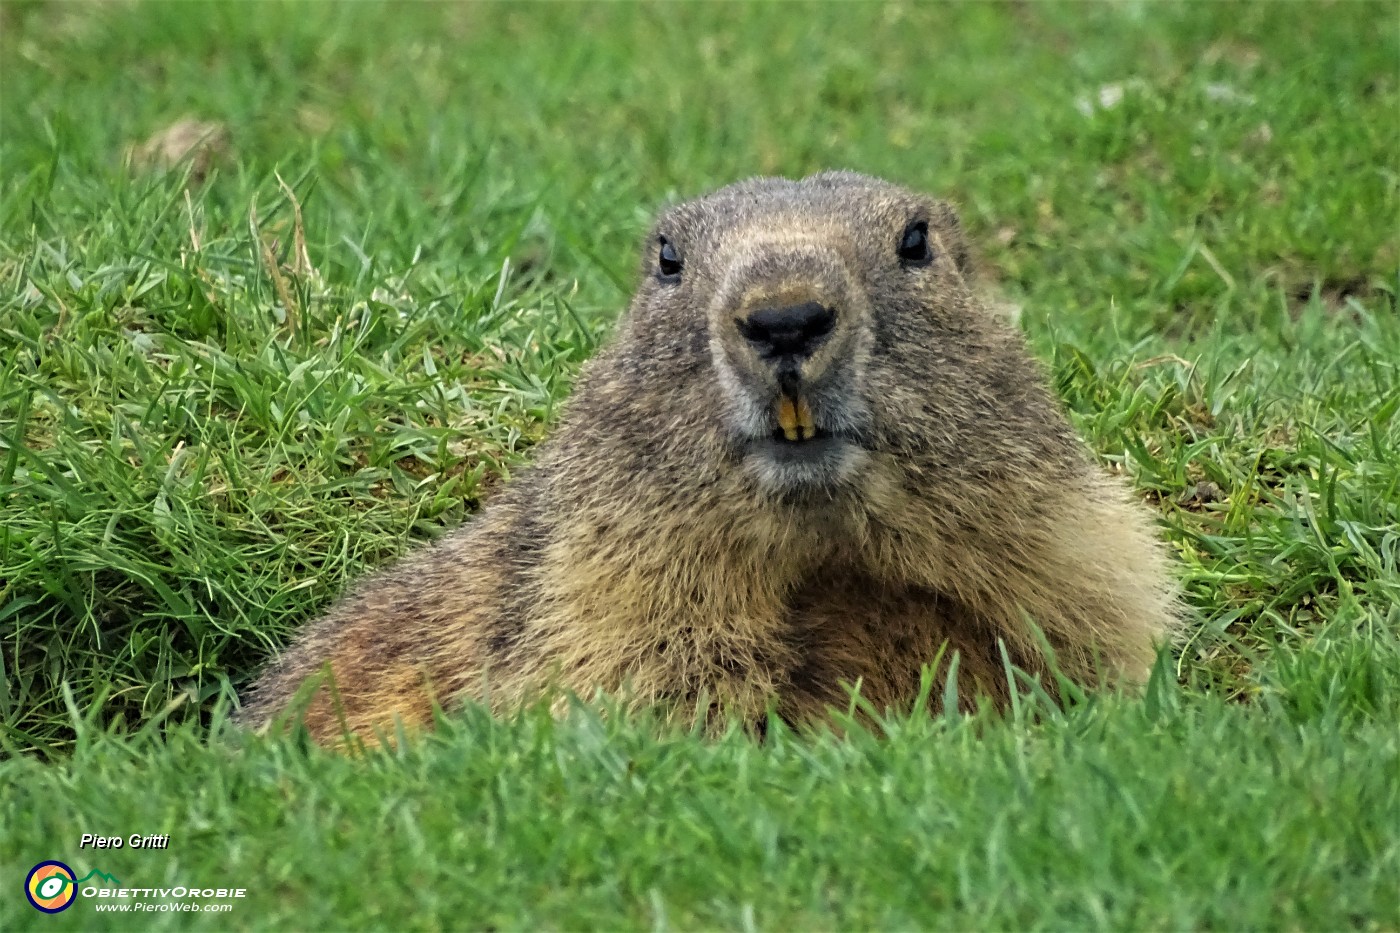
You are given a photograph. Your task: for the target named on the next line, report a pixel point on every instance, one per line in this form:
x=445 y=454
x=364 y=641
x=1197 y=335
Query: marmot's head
x=828 y=307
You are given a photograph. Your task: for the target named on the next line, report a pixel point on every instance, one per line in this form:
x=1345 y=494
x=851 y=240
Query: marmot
x=809 y=458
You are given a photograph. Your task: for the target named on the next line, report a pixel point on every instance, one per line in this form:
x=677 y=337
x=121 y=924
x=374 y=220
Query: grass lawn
x=231 y=386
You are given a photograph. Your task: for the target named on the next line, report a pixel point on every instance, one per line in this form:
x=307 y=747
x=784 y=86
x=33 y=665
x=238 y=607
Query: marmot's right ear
x=944 y=222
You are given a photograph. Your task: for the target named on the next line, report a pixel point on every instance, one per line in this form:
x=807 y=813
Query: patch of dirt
x=1332 y=294
x=1197 y=496
x=203 y=143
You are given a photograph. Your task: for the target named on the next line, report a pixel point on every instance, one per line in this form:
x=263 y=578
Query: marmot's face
x=800 y=285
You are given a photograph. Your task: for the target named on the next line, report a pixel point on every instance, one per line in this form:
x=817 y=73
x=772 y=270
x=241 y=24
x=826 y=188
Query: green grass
x=198 y=450
x=1181 y=814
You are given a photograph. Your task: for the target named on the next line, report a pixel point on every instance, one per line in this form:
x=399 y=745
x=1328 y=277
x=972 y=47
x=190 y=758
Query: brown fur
x=660 y=547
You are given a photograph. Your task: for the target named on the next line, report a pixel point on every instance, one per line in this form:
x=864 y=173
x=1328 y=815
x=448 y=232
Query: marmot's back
x=808 y=458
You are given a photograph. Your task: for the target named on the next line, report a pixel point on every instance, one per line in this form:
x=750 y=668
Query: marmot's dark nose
x=796 y=330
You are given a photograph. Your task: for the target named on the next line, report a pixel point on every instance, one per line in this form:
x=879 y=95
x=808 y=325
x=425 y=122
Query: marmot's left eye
x=669 y=261
x=913 y=248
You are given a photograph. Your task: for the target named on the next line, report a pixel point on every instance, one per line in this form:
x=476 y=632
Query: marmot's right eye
x=914 y=249
x=669 y=261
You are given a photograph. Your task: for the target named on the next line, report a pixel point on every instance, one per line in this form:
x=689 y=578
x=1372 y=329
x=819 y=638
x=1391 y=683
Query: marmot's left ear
x=945 y=225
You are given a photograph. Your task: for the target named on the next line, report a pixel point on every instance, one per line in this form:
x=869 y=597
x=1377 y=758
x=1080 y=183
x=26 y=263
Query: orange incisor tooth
x=804 y=420
x=787 y=418
x=795 y=418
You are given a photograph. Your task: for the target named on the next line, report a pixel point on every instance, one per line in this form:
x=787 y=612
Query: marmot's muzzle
x=788 y=336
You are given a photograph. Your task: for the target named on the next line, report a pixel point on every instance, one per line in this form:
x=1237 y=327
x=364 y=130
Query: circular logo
x=51 y=887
